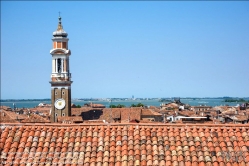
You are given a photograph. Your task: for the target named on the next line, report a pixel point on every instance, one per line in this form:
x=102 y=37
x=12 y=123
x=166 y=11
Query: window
x=58 y=44
x=63 y=114
x=59 y=65
x=64 y=45
x=63 y=92
x=56 y=114
x=54 y=44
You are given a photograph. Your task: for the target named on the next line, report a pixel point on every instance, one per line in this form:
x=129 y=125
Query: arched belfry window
x=59 y=65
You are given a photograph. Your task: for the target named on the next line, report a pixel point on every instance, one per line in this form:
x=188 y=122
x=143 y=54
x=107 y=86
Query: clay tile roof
x=34 y=118
x=150 y=112
x=125 y=144
x=69 y=119
x=10 y=117
x=130 y=113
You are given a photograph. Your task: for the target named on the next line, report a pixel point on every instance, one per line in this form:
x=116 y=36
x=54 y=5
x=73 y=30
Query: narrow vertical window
x=54 y=44
x=58 y=44
x=59 y=65
x=62 y=65
x=64 y=45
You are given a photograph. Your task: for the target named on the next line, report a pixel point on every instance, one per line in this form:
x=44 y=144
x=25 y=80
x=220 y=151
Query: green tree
x=117 y=106
x=133 y=105
x=120 y=106
x=140 y=105
x=113 y=106
x=137 y=105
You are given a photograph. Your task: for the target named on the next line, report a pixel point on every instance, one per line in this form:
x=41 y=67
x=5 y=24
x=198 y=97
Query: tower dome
x=60 y=31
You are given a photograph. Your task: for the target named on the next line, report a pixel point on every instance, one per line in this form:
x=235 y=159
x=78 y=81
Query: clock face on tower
x=60 y=104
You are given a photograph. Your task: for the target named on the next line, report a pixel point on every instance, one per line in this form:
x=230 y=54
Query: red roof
x=124 y=114
x=11 y=117
x=34 y=118
x=69 y=119
x=6 y=117
x=150 y=112
x=125 y=144
x=78 y=111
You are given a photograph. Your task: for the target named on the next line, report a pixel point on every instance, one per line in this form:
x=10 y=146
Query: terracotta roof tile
x=126 y=144
x=35 y=118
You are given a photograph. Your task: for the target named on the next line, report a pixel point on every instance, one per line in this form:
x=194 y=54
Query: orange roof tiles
x=69 y=119
x=123 y=114
x=34 y=118
x=11 y=117
x=150 y=112
x=124 y=144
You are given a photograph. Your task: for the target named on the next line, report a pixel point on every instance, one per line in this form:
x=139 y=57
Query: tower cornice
x=66 y=83
x=59 y=38
x=64 y=51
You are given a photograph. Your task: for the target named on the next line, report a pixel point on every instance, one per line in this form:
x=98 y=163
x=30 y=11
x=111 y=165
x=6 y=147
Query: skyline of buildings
x=98 y=135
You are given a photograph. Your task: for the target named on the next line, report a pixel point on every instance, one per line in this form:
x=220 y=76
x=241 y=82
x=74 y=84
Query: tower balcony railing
x=61 y=75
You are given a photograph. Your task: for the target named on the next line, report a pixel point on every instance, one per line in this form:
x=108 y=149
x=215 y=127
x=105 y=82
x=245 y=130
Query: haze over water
x=127 y=103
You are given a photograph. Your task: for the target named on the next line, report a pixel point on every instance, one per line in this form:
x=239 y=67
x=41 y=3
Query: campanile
x=61 y=76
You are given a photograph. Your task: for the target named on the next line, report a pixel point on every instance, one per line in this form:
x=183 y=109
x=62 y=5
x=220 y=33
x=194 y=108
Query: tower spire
x=59 y=24
x=59 y=31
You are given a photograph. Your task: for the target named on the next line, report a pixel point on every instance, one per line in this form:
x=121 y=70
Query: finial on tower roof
x=59 y=31
x=59 y=24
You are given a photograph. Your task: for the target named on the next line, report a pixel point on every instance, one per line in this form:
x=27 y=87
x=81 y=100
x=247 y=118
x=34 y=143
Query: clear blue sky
x=120 y=49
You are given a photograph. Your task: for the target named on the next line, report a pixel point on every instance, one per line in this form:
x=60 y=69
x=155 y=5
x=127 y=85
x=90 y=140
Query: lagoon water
x=127 y=103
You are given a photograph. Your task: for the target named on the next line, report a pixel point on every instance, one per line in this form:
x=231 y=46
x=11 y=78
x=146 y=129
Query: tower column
x=65 y=65
x=52 y=66
x=60 y=83
x=68 y=65
x=56 y=66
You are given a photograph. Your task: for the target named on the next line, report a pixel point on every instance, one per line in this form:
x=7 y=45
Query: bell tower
x=60 y=76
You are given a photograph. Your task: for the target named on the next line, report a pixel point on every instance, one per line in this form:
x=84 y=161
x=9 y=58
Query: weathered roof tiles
x=125 y=145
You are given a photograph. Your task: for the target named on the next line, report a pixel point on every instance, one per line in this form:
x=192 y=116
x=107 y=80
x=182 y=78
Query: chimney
x=164 y=118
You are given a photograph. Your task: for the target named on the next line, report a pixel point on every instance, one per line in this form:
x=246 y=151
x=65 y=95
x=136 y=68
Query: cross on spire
x=59 y=24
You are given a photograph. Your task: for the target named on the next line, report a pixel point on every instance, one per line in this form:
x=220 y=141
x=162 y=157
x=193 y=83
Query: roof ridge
x=125 y=124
